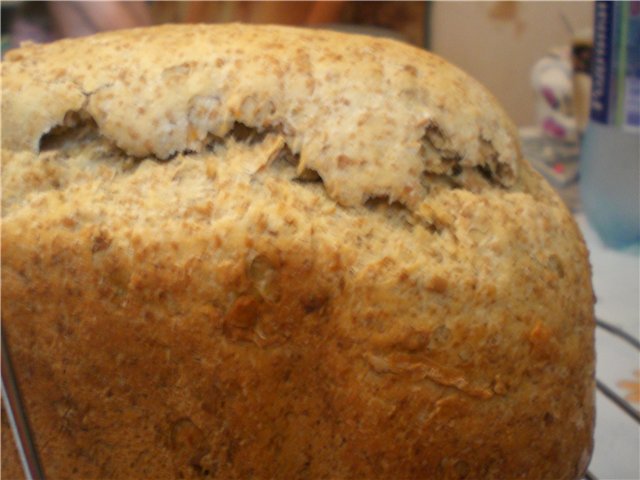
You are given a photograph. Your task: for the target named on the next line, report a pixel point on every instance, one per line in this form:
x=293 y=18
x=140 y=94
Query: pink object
x=550 y=97
x=553 y=128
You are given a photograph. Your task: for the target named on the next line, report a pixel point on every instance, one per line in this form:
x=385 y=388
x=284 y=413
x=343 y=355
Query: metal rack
x=618 y=401
x=18 y=419
x=33 y=470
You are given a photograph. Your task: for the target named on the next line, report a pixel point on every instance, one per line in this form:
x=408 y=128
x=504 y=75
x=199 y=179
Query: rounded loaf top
x=371 y=116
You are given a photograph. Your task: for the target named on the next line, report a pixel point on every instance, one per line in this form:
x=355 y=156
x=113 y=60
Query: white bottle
x=610 y=156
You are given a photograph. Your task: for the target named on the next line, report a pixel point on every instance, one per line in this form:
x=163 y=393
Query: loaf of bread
x=263 y=252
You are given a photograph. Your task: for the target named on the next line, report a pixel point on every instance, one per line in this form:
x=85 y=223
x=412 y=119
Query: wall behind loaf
x=498 y=43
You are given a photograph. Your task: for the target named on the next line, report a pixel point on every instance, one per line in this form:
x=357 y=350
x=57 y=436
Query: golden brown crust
x=214 y=315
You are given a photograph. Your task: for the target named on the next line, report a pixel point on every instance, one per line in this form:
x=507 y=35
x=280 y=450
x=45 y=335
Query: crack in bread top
x=373 y=117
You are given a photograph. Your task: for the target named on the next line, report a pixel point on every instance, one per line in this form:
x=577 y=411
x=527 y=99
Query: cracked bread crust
x=369 y=115
x=220 y=314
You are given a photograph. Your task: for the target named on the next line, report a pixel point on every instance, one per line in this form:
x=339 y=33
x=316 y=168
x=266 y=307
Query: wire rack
x=630 y=411
x=33 y=470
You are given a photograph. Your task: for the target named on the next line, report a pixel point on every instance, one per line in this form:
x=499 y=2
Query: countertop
x=616 y=281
